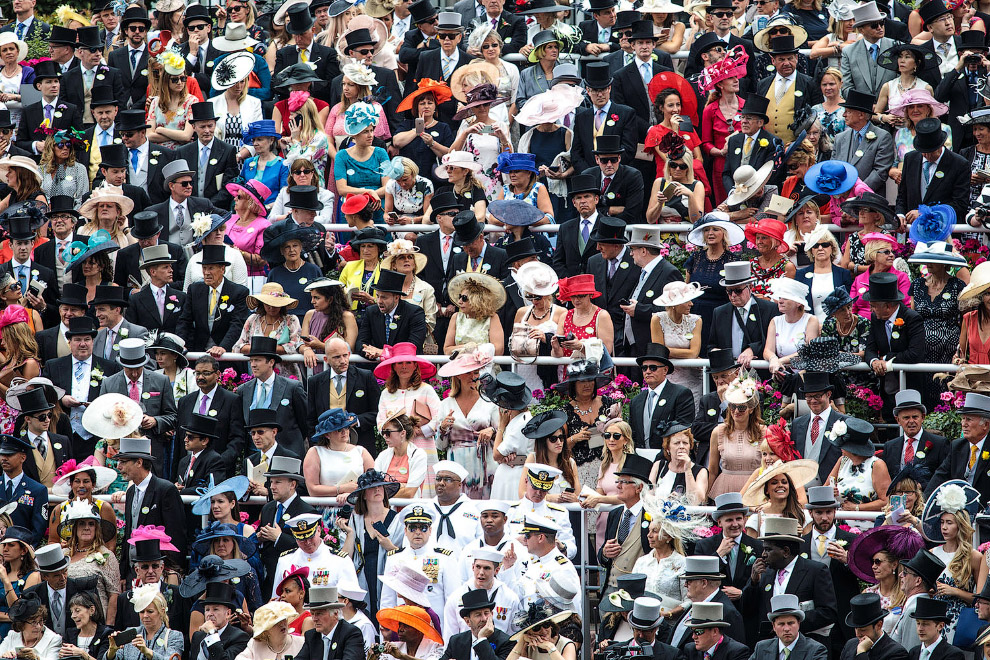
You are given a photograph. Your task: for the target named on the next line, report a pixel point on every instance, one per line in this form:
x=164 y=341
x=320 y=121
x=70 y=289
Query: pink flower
x=229 y=372
x=244 y=516
x=778 y=395
x=946 y=396
x=735 y=248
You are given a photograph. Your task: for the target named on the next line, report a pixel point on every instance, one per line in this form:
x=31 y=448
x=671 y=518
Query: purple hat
x=904 y=542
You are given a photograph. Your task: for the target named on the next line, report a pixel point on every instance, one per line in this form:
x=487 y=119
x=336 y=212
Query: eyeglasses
x=885 y=252
x=447 y=214
x=875 y=25
x=823 y=244
x=231 y=8
x=259 y=431
x=612 y=436
x=722 y=14
x=452 y=480
x=43 y=417
x=651 y=367
x=737 y=407
x=623 y=482
x=197 y=27
x=608 y=159
x=305 y=170
x=418 y=527
x=448 y=36
x=736 y=291
x=677 y=166
x=386 y=433
x=697 y=632
x=463 y=298
x=6 y=131
x=184 y=184
x=204 y=374
x=136 y=28
x=365 y=51
x=624 y=33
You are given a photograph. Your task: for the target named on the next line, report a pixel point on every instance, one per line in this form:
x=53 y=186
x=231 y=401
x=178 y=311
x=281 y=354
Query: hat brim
x=843 y=361
x=391 y=617
x=734 y=233
x=753 y=186
x=401 y=590
x=800 y=471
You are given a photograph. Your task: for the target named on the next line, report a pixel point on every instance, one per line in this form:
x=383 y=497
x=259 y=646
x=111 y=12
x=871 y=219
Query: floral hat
x=831 y=177
x=399 y=247
x=152 y=533
x=173 y=63
x=359 y=74
x=358 y=117
x=743 y=391
x=934 y=223
x=204 y=224
x=63 y=475
x=918 y=97
x=111 y=416
x=78 y=252
x=950 y=497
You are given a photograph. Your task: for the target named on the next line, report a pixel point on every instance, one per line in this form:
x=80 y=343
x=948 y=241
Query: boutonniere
x=841 y=544
x=747 y=550
x=898 y=322
x=224 y=298
x=870 y=135
x=985 y=455
x=213 y=161
x=764 y=142
x=95 y=376
x=124 y=332
x=654 y=57
x=647 y=517
x=614 y=117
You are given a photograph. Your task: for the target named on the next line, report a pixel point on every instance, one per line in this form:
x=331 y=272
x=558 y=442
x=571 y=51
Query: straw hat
x=488 y=71
x=458 y=282
x=104 y=193
x=272 y=294
x=399 y=247
x=800 y=471
x=112 y=416
x=678 y=293
x=266 y=616
x=979 y=282
x=748 y=182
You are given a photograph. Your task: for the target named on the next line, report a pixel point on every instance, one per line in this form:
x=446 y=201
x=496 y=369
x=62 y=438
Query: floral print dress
x=409 y=202
x=762 y=276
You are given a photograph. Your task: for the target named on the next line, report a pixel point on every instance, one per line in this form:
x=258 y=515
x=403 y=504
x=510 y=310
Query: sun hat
x=733 y=233
x=871 y=201
x=404 y=352
x=411 y=615
x=762 y=40
x=742 y=391
x=79 y=510
x=466 y=78
x=550 y=106
x=800 y=471
x=577 y=285
x=515 y=212
x=218 y=530
x=949 y=497
x=232 y=69
x=468 y=359
x=459 y=281
x=822 y=354
x=408 y=582
x=65 y=472
x=111 y=416
x=23 y=163
x=483 y=94
x=441 y=92
x=784 y=288
x=678 y=293
x=979 y=282
x=269 y=614
x=747 y=182
x=831 y=177
x=104 y=193
x=463 y=159
x=926 y=59
x=506 y=390
x=11 y=38
x=537 y=614
x=237 y=485
x=401 y=246
x=903 y=542
x=272 y=294
x=915 y=97
x=212 y=570
x=536 y=278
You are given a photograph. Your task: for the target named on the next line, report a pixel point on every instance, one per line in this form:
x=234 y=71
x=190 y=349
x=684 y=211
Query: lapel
x=248 y=396
x=278 y=390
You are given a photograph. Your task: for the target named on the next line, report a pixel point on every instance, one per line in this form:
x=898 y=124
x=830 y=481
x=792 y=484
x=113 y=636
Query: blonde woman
x=154 y=641
x=617 y=437
x=680 y=330
x=670 y=529
x=107 y=209
x=459 y=168
x=840 y=34
x=676 y=474
x=170 y=103
x=490 y=45
x=61 y=173
x=89 y=555
x=270 y=639
x=355 y=87
x=407 y=194
x=306 y=138
x=236 y=108
x=478 y=297
x=830 y=112
x=734 y=451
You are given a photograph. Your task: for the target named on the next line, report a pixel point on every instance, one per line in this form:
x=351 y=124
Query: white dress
x=664 y=576
x=505 y=486
x=790 y=335
x=463 y=446
x=336 y=465
x=528 y=371
x=855 y=482
x=894 y=91
x=679 y=335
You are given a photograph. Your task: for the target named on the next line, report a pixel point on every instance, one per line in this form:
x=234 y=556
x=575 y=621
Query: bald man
x=344 y=386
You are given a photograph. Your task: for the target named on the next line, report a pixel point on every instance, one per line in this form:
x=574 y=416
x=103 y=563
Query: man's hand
x=371 y=352
x=879 y=367
x=910 y=216
x=269 y=533
x=864 y=645
x=488 y=630
x=70 y=402
x=257 y=489
x=509 y=558
x=148 y=422
x=208 y=627
x=629 y=309
x=725 y=547
x=611 y=549
x=759 y=566
x=746 y=357
x=216 y=351
x=838 y=553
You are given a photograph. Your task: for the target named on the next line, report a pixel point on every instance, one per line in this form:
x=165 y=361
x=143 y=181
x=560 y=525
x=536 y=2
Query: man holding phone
x=958 y=87
x=37 y=282
x=325 y=566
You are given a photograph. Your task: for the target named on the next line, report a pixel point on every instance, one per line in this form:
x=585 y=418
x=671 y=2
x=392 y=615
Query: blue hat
x=219 y=530
x=237 y=485
x=335 y=419
x=216 y=221
x=831 y=177
x=514 y=162
x=515 y=212
x=359 y=117
x=261 y=128
x=933 y=224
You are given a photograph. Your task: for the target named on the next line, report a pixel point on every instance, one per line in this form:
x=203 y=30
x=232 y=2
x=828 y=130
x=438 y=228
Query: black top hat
x=658 y=353
x=883 y=287
x=298 y=20
x=635 y=466
x=596 y=75
x=259 y=417
x=642 y=29
x=33 y=401
x=444 y=201
x=542 y=7
x=145 y=224
x=585 y=183
x=134 y=15
x=816 y=381
x=131 y=120
x=359 y=37
x=756 y=105
x=203 y=425
x=782 y=45
x=706 y=42
x=864 y=610
x=74 y=295
x=929 y=135
x=110 y=294
x=19 y=227
x=422 y=10
x=13 y=445
x=607 y=145
x=720 y=4
x=857 y=100
x=858 y=438
x=203 y=111
x=506 y=390
x=624 y=21
x=929 y=567
x=932 y=10
x=303 y=197
x=89 y=37
x=600 y=5
x=148 y=550
x=5 y=121
x=102 y=95
x=215 y=255
x=545 y=424
x=62 y=36
x=720 y=359
x=930 y=609
x=475 y=599
x=81 y=325
x=466 y=228
x=46 y=69
x=113 y=155
x=972 y=40
x=262 y=346
x=390 y=281
x=222 y=593
x=609 y=230
x=196 y=11
x=524 y=247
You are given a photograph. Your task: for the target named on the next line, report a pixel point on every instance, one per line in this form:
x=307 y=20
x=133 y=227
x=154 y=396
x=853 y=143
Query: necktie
x=80 y=366
x=612 y=265
x=785 y=653
x=495 y=23
x=648 y=411
x=446 y=244
x=599 y=118
x=874 y=49
x=201 y=59
x=180 y=216
x=48 y=112
x=445 y=518
x=972 y=457
x=388 y=323
x=708 y=655
x=781 y=89
x=822 y=542
x=303 y=57
x=192 y=459
x=944 y=49
x=135 y=54
x=22 y=276
x=586 y=230
x=336 y=383
x=326 y=646
x=908 y=450
x=260 y=396
x=213 y=301
x=816 y=427
x=8 y=491
x=628 y=57
x=606 y=182
x=204 y=153
x=279 y=512
x=136 y=507
x=57 y=607
x=781 y=576
x=926 y=171
x=160 y=301
x=748 y=147
x=133 y=392
x=21 y=28
x=647 y=72
x=974 y=81
x=135 y=158
x=603 y=35
x=203 y=403
x=733 y=555
x=42 y=446
x=889 y=325
x=104 y=138
x=445 y=65
x=624 y=526
x=88 y=75
x=108 y=348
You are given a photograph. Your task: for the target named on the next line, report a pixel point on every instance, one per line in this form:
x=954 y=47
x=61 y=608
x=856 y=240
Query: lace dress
x=857 y=251
x=680 y=335
x=464 y=448
x=470 y=329
x=738 y=457
x=663 y=576
x=707 y=273
x=589 y=461
x=505 y=485
x=762 y=276
x=943 y=322
x=855 y=483
x=103 y=565
x=955 y=604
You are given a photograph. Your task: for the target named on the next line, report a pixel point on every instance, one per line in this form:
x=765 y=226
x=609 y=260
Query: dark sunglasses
x=418 y=527
x=137 y=28
x=722 y=14
x=6 y=131
x=445 y=36
x=236 y=7
x=447 y=214
x=532 y=296
x=877 y=562
x=43 y=417
x=91 y=50
x=197 y=27
x=792 y=167
x=697 y=632
x=129 y=134
x=612 y=436
x=463 y=298
x=305 y=170
x=651 y=367
x=736 y=291
x=885 y=252
x=609 y=159
x=677 y=166
x=875 y=25
x=181 y=78
x=624 y=33
x=737 y=407
x=778 y=32
x=184 y=184
x=489 y=46
x=14 y=285
x=365 y=51
x=555 y=438
x=823 y=244
x=386 y=433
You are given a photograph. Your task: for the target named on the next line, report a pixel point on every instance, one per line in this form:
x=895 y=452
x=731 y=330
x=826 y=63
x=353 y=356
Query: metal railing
x=666 y=228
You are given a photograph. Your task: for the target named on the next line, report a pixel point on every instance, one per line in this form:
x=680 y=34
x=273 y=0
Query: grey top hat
x=449 y=20
x=156 y=255
x=51 y=558
x=707 y=615
x=866 y=13
x=907 y=399
x=728 y=503
x=785 y=605
x=645 y=613
x=736 y=273
x=781 y=529
x=132 y=352
x=135 y=448
x=822 y=497
x=174 y=170
x=284 y=466
x=322 y=598
x=644 y=237
x=976 y=404
x=701 y=566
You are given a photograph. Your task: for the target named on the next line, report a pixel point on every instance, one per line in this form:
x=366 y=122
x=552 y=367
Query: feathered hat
x=779 y=438
x=934 y=223
x=672 y=513
x=733 y=65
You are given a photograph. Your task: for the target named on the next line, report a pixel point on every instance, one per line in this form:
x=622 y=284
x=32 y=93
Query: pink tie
x=202 y=405
x=781 y=575
x=446 y=244
x=132 y=391
x=160 y=299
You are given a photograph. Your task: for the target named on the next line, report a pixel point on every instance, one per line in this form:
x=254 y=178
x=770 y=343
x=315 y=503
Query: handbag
x=523 y=348
x=430 y=346
x=967 y=628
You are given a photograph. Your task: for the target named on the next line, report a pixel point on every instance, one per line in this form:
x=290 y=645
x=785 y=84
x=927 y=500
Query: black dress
x=589 y=460
x=943 y=323
x=708 y=273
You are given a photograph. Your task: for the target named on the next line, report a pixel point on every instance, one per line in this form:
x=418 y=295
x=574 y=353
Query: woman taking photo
x=402 y=460
x=169 y=353
x=11 y=295
x=236 y=108
x=13 y=51
x=18 y=570
x=332 y=464
x=30 y=638
x=771 y=261
x=486 y=138
x=617 y=437
x=674 y=474
x=89 y=638
x=823 y=276
x=840 y=34
x=61 y=174
x=170 y=103
x=734 y=452
x=89 y=556
x=718 y=120
x=329 y=318
x=680 y=331
x=19 y=347
x=357 y=169
x=478 y=298
x=467 y=422
x=537 y=284
x=458 y=168
x=715 y=233
x=860 y=477
x=293 y=590
x=407 y=194
x=879 y=258
x=270 y=638
x=246 y=228
x=265 y=166
x=687 y=194
x=154 y=640
x=584 y=320
x=426 y=144
x=585 y=407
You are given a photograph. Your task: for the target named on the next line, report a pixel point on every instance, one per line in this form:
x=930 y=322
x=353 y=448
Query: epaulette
x=393 y=552
x=561 y=559
x=443 y=551
x=341 y=553
x=556 y=507
x=513 y=506
x=288 y=552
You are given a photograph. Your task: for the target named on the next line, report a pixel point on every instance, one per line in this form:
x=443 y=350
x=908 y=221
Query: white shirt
x=13 y=481
x=142 y=157
x=209 y=399
x=949 y=60
x=185 y=209
x=80 y=388
x=780 y=586
x=786 y=81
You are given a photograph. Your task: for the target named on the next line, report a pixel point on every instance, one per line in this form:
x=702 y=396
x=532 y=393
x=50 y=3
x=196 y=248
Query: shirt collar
x=143 y=486
x=270 y=380
x=790 y=567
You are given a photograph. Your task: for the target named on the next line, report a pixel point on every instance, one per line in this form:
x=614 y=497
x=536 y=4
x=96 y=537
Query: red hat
x=578 y=285
x=779 y=439
x=768 y=226
x=355 y=203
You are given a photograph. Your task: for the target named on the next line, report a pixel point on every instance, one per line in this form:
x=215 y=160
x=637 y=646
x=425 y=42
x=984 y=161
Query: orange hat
x=441 y=92
x=411 y=615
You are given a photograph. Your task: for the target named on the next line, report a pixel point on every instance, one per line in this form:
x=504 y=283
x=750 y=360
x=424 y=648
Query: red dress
x=653 y=137
x=715 y=130
x=580 y=331
x=295 y=627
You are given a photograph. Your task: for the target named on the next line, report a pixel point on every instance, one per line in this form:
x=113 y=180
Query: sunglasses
x=43 y=417
x=447 y=36
x=651 y=367
x=6 y=131
x=677 y=166
x=697 y=632
x=447 y=214
x=365 y=51
x=236 y=7
x=463 y=298
x=137 y=28
x=779 y=32
x=14 y=285
x=555 y=438
x=489 y=46
x=418 y=527
x=877 y=562
x=823 y=244
x=184 y=184
x=197 y=27
x=389 y=432
x=722 y=14
x=180 y=79
x=91 y=50
x=533 y=296
x=735 y=291
x=609 y=159
x=612 y=436
x=875 y=25
x=624 y=33
x=305 y=170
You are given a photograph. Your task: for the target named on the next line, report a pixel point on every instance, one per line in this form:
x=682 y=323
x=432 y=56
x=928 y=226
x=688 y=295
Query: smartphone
x=420 y=125
x=670 y=191
x=897 y=501
x=381 y=528
x=124 y=637
x=624 y=301
x=568 y=490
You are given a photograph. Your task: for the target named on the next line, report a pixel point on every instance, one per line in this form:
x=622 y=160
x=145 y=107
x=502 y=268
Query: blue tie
x=8 y=491
x=204 y=154
x=135 y=157
x=134 y=59
x=20 y=30
x=874 y=49
x=22 y=276
x=388 y=322
x=279 y=511
x=926 y=171
x=104 y=138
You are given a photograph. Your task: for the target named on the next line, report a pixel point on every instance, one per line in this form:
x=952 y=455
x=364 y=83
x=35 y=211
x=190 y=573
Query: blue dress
x=294 y=283
x=361 y=174
x=275 y=175
x=18 y=585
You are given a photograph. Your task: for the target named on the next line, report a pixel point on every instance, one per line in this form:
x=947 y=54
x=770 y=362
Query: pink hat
x=915 y=97
x=403 y=352
x=12 y=315
x=152 y=533
x=877 y=236
x=468 y=361
x=733 y=65
x=409 y=583
x=255 y=189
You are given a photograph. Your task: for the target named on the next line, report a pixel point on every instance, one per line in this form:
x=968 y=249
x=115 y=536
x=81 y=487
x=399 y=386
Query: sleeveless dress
x=707 y=273
x=855 y=483
x=762 y=276
x=943 y=323
x=472 y=330
x=295 y=627
x=977 y=349
x=463 y=445
x=588 y=460
x=505 y=485
x=680 y=335
x=406 y=400
x=580 y=331
x=955 y=604
x=607 y=484
x=528 y=371
x=335 y=465
x=790 y=336
x=738 y=457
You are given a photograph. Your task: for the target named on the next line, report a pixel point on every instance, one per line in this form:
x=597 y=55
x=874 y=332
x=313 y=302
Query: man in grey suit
x=863 y=145
x=176 y=213
x=109 y=305
x=859 y=67
x=786 y=617
x=808 y=431
x=278 y=393
x=153 y=392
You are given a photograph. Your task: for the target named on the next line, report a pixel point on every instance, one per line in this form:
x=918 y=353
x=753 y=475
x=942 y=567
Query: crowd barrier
x=665 y=228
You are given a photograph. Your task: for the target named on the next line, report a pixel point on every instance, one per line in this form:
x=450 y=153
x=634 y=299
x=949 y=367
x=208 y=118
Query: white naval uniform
x=506 y=575
x=368 y=631
x=506 y=607
x=555 y=512
x=326 y=568
x=438 y=563
x=464 y=518
x=540 y=568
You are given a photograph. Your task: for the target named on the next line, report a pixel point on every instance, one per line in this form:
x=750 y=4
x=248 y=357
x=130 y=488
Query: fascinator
x=393 y=169
x=359 y=74
x=950 y=497
x=733 y=65
x=297 y=99
x=673 y=516
x=358 y=117
x=173 y=63
x=77 y=252
x=934 y=223
x=778 y=436
x=672 y=145
x=152 y=533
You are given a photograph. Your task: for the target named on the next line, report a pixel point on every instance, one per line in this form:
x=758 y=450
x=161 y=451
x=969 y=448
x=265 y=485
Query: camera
x=973 y=58
x=345 y=511
x=623 y=651
x=378 y=648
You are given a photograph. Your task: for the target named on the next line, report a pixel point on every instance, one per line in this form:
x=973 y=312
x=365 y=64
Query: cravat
x=908 y=450
x=586 y=230
x=213 y=301
x=203 y=403
x=599 y=118
x=445 y=517
x=388 y=322
x=204 y=153
x=48 y=112
x=260 y=395
x=944 y=49
x=445 y=65
x=88 y=75
x=135 y=158
x=22 y=277
x=160 y=301
x=781 y=89
x=972 y=457
x=781 y=576
x=180 y=216
x=816 y=427
x=133 y=392
x=62 y=244
x=135 y=55
x=874 y=49
x=748 y=147
x=606 y=182
x=279 y=512
x=822 y=543
x=104 y=138
x=56 y=607
x=624 y=526
x=8 y=491
x=21 y=28
x=612 y=265
x=108 y=347
x=336 y=383
x=303 y=57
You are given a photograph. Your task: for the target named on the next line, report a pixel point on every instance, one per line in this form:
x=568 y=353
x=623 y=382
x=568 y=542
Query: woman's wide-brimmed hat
x=506 y=390
x=439 y=89
x=235 y=38
x=515 y=212
x=831 y=177
x=915 y=97
x=211 y=570
x=823 y=354
x=733 y=232
x=536 y=278
x=255 y=189
x=18 y=534
x=280 y=233
x=111 y=416
x=926 y=59
x=408 y=581
x=537 y=614
x=903 y=542
x=105 y=193
x=468 y=359
x=550 y=106
x=577 y=285
x=581 y=371
x=542 y=38
x=952 y=496
x=78 y=510
x=219 y=530
x=65 y=472
x=771 y=227
x=26 y=164
x=174 y=344
x=483 y=94
x=934 y=223
x=463 y=159
x=413 y=616
x=467 y=77
x=237 y=485
x=785 y=288
x=871 y=201
x=297 y=74
x=232 y=69
x=272 y=294
x=938 y=252
x=678 y=293
x=516 y=162
x=799 y=471
x=979 y=282
x=762 y=39
x=459 y=281
x=404 y=352
x=270 y=614
x=399 y=247
x=11 y=38
x=747 y=182
x=373 y=479
x=77 y=252
x=335 y=419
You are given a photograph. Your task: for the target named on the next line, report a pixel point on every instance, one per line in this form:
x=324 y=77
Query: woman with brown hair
x=801 y=159
x=459 y=168
x=585 y=409
x=584 y=321
x=404 y=461
x=777 y=493
x=61 y=174
x=718 y=119
x=330 y=317
x=293 y=589
x=478 y=298
x=80 y=481
x=271 y=318
x=674 y=474
x=908 y=484
x=332 y=463
x=734 y=451
x=24 y=178
x=302 y=172
x=552 y=450
x=89 y=555
x=170 y=103
x=30 y=638
x=18 y=346
x=18 y=571
x=11 y=295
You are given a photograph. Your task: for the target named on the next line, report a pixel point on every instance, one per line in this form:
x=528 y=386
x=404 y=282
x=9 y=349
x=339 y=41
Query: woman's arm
x=881 y=482
x=655 y=206
x=367 y=460
x=696 y=487
x=713 y=454
x=311 y=470
x=350 y=329
x=403 y=138
x=676 y=38
x=656 y=331
x=692 y=351
x=448 y=341
x=961 y=353
x=605 y=331
x=543 y=203
x=822 y=48
x=770 y=348
x=496 y=334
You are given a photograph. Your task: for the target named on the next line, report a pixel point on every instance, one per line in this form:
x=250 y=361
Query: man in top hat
x=809 y=431
x=485 y=566
x=661 y=404
x=896 y=335
x=113 y=171
x=153 y=391
x=79 y=374
x=216 y=639
x=753 y=144
x=596 y=33
x=741 y=325
x=30 y=274
x=858 y=65
x=275 y=392
x=933 y=174
x=62 y=217
x=627 y=525
x=737 y=552
x=131 y=59
x=829 y=545
x=645 y=620
x=719 y=20
x=149 y=568
x=916 y=444
x=145 y=161
x=56 y=589
x=108 y=306
x=49 y=450
x=109 y=22
x=604 y=117
x=440 y=63
x=480 y=634
x=219 y=403
x=157 y=304
x=130 y=270
x=509 y=27
x=284 y=476
x=213 y=162
x=62 y=48
x=784 y=570
x=59 y=112
x=425 y=553
x=703 y=584
x=655 y=273
x=574 y=244
x=863 y=144
x=421 y=35
x=332 y=638
x=103 y=107
x=871 y=642
x=177 y=213
x=931 y=616
x=201 y=464
x=629 y=83
x=30 y=495
x=616 y=274
x=917 y=579
x=299 y=25
x=959 y=86
x=262 y=427
x=788 y=91
x=622 y=28
x=326 y=567
x=391 y=320
x=709 y=642
x=216 y=325
x=711 y=407
x=944 y=43
x=786 y=617
x=343 y=385
x=78 y=82
x=968 y=458
x=475 y=254
x=198 y=50
x=438 y=246
x=7 y=146
x=26 y=26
